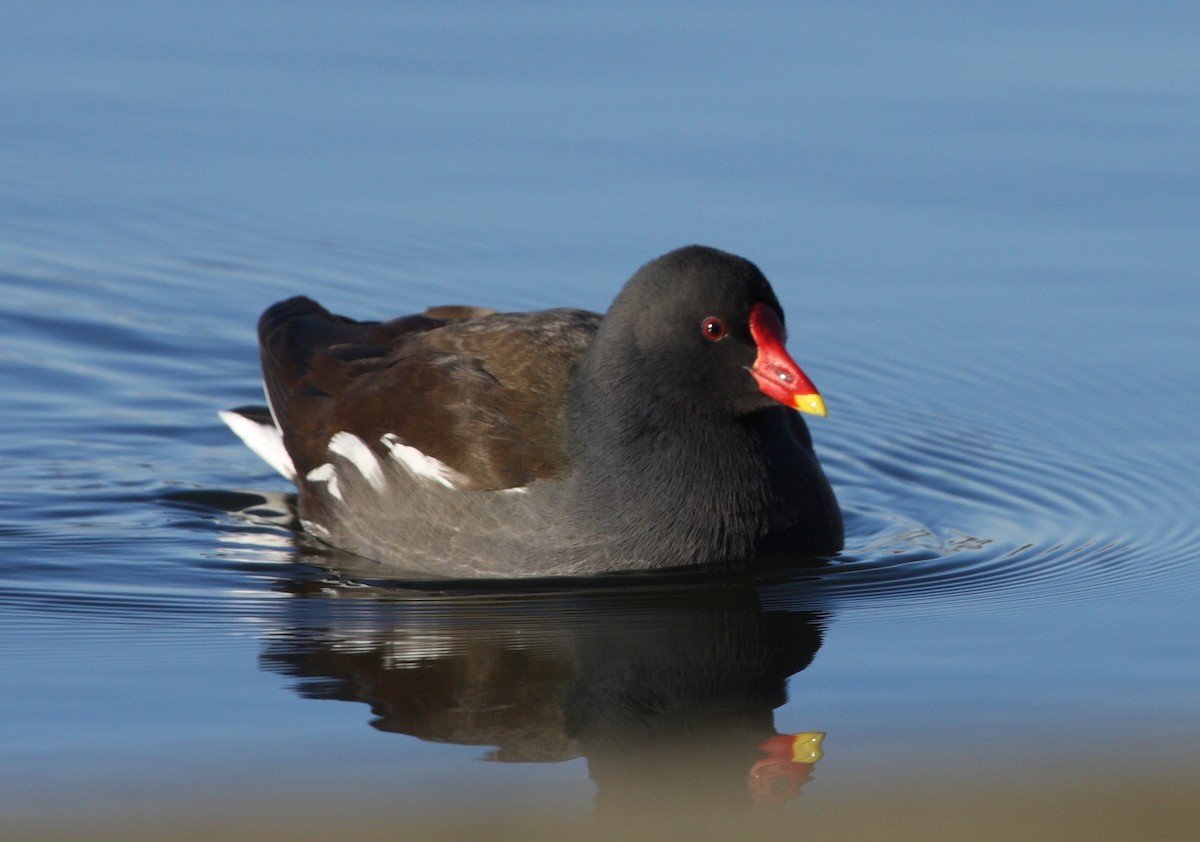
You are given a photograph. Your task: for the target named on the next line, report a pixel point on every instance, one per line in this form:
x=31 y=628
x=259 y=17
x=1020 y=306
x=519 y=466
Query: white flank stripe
x=416 y=462
x=315 y=528
x=326 y=474
x=356 y=451
x=264 y=440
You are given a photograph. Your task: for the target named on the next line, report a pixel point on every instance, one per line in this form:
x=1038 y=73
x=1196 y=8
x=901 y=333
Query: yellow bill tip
x=806 y=747
x=813 y=404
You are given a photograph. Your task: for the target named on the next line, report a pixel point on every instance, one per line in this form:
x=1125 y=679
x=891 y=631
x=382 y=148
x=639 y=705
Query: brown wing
x=480 y=391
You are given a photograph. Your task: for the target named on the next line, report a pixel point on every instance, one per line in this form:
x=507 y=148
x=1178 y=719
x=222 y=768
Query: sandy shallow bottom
x=1113 y=804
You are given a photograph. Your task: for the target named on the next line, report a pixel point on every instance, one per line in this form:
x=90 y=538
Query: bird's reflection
x=668 y=691
x=667 y=686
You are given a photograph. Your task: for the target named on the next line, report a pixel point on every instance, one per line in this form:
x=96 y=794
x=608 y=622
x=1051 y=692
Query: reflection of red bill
x=788 y=766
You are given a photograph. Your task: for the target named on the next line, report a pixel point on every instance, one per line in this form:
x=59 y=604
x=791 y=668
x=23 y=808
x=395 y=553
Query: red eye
x=712 y=328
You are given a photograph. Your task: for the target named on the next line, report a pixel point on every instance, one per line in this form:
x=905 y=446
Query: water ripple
x=956 y=501
x=966 y=503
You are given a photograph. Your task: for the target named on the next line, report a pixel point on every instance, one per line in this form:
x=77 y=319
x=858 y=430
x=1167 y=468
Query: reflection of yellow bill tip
x=813 y=404
x=806 y=747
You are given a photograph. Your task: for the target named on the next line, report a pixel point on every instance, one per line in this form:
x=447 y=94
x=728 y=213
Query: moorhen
x=463 y=442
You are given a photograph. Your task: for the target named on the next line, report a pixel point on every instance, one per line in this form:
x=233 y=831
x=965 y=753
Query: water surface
x=982 y=226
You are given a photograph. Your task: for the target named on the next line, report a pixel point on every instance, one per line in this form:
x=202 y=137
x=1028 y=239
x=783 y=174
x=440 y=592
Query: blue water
x=980 y=221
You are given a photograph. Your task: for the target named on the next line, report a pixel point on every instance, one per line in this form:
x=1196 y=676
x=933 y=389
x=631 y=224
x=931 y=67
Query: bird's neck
x=674 y=488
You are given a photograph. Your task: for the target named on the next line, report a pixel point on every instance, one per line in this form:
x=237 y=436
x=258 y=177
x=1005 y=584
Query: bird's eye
x=712 y=328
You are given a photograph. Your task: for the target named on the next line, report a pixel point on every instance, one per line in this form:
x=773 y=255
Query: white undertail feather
x=265 y=440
